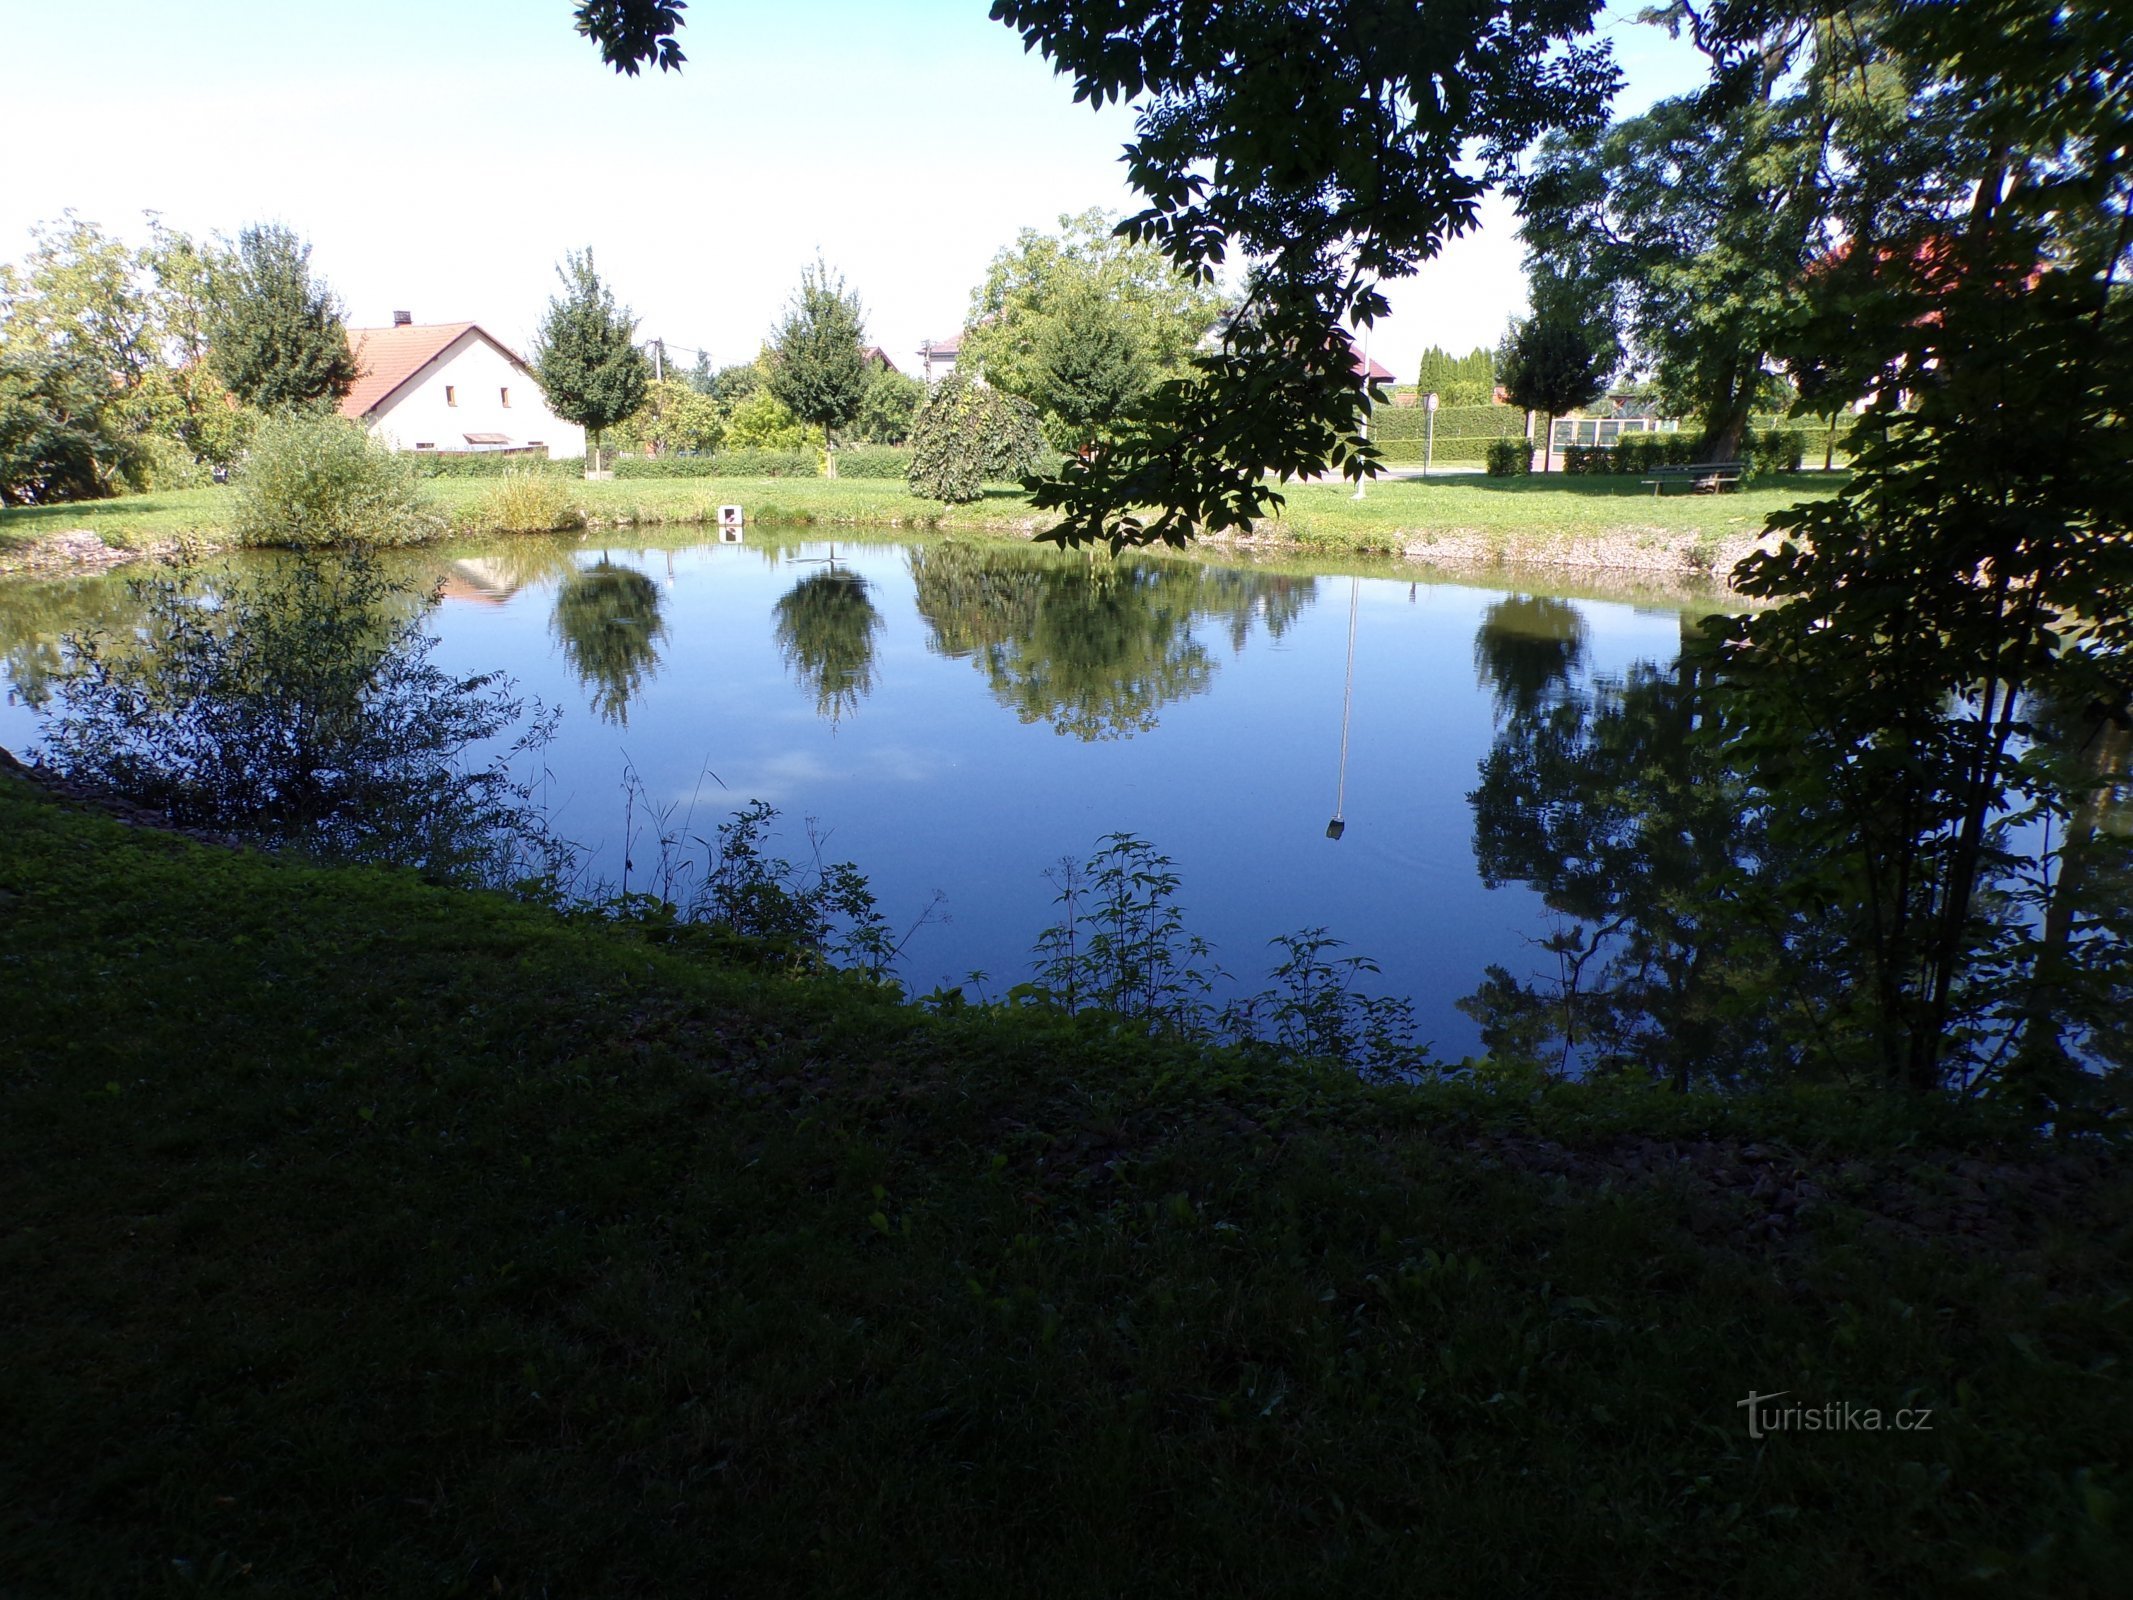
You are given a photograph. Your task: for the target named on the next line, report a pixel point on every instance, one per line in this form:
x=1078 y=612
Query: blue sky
x=442 y=158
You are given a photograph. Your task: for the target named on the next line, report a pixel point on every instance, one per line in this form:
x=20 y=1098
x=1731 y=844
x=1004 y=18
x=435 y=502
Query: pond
x=957 y=717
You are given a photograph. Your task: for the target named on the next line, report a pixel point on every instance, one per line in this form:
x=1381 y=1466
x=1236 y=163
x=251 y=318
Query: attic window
x=505 y=396
x=451 y=395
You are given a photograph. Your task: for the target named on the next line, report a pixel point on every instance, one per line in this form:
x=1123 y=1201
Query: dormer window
x=451 y=395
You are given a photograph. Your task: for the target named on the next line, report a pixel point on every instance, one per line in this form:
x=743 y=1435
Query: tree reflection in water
x=607 y=619
x=1092 y=645
x=825 y=630
x=1600 y=797
x=1696 y=947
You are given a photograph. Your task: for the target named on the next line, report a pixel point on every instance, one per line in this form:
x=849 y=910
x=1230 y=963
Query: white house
x=451 y=386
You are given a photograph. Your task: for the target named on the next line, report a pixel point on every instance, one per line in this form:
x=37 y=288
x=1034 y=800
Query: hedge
x=491 y=463
x=725 y=464
x=1389 y=423
x=874 y=461
x=1771 y=450
x=1409 y=452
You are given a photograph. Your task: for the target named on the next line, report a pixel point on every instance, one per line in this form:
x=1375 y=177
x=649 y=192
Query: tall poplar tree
x=586 y=356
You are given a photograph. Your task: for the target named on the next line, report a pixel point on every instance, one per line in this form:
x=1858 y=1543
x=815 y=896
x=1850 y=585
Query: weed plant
x=526 y=500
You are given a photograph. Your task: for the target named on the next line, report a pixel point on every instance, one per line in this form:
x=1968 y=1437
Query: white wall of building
x=473 y=387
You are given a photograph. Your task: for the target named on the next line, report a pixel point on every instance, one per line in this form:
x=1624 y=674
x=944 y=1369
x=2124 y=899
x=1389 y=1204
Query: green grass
x=366 y=1238
x=1496 y=518
x=1535 y=505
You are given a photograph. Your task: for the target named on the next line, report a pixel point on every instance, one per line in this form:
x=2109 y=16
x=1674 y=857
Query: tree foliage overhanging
x=1332 y=145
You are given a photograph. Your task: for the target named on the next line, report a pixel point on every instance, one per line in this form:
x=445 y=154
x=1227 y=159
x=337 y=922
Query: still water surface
x=957 y=718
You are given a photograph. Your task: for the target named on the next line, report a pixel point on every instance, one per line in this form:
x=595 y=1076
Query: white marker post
x=1429 y=446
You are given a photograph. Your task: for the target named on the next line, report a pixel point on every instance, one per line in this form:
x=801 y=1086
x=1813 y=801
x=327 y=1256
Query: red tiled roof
x=1367 y=369
x=390 y=356
x=942 y=347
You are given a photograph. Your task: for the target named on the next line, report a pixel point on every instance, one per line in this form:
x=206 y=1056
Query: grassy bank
x=368 y=1238
x=1586 y=521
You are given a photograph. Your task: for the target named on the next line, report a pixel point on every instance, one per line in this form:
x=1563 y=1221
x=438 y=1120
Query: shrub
x=1774 y=450
x=873 y=461
x=529 y=502
x=968 y=435
x=1509 y=458
x=315 y=480
x=763 y=422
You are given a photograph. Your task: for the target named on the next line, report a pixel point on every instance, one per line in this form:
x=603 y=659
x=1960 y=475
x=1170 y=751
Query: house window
x=505 y=396
x=427 y=444
x=451 y=395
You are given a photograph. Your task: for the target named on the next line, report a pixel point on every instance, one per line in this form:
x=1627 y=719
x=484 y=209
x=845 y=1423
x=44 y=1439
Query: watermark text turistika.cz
x=1766 y=1416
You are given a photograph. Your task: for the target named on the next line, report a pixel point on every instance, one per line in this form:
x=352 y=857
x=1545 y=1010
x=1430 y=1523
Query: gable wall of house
x=463 y=391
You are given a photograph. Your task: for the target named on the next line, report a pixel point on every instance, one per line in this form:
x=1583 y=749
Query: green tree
x=1977 y=569
x=761 y=422
x=608 y=621
x=968 y=434
x=890 y=407
x=675 y=416
x=1468 y=380
x=58 y=438
x=1090 y=367
x=277 y=338
x=1701 y=216
x=585 y=354
x=1356 y=141
x=817 y=369
x=729 y=386
x=1049 y=292
x=1555 y=361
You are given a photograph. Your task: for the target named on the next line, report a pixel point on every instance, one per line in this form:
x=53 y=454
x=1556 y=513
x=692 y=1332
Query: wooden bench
x=1704 y=477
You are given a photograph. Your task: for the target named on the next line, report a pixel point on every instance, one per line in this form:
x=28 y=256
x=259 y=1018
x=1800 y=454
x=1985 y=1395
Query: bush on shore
x=313 y=481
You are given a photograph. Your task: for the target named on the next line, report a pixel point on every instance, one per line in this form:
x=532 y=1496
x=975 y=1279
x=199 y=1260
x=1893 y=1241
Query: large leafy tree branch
x=634 y=34
x=1332 y=144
